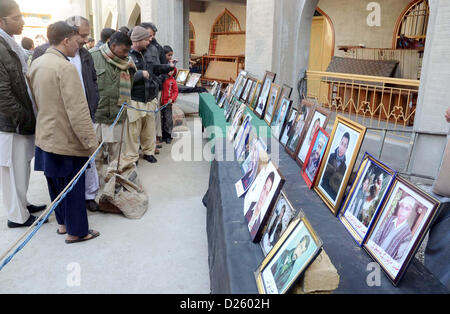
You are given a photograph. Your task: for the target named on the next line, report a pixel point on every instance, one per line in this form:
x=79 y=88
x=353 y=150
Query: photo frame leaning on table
x=263 y=96
x=261 y=198
x=297 y=132
x=314 y=158
x=319 y=119
x=182 y=76
x=237 y=83
x=253 y=98
x=365 y=198
x=280 y=116
x=337 y=165
x=289 y=258
x=272 y=104
x=400 y=227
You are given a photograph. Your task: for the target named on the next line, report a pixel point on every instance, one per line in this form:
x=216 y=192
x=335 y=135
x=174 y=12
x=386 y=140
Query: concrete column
x=277 y=39
x=97 y=13
x=171 y=17
x=434 y=92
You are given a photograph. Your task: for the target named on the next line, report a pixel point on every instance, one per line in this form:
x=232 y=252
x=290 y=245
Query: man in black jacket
x=17 y=121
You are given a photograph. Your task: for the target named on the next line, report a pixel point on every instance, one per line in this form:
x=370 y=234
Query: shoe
x=150 y=158
x=168 y=140
x=34 y=209
x=27 y=223
x=158 y=146
x=157 y=152
x=93 y=233
x=92 y=206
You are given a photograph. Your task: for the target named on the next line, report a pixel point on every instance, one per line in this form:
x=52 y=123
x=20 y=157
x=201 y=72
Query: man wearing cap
x=141 y=127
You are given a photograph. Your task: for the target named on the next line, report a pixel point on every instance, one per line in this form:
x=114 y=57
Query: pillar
x=434 y=93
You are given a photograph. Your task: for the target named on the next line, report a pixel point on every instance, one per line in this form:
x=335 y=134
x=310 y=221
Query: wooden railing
x=380 y=99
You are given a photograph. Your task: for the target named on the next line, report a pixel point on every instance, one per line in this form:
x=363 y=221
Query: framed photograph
x=319 y=119
x=280 y=116
x=315 y=156
x=290 y=257
x=255 y=143
x=288 y=126
x=254 y=96
x=274 y=95
x=282 y=215
x=298 y=131
x=248 y=86
x=236 y=123
x=213 y=90
x=366 y=196
x=286 y=91
x=232 y=109
x=243 y=139
x=193 y=79
x=228 y=92
x=222 y=100
x=263 y=96
x=261 y=198
x=182 y=76
x=240 y=128
x=400 y=227
x=251 y=91
x=340 y=156
x=237 y=83
x=250 y=170
x=228 y=106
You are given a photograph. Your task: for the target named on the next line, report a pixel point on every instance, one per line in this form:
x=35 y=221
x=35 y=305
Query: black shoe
x=150 y=158
x=92 y=206
x=168 y=140
x=34 y=209
x=159 y=146
x=27 y=223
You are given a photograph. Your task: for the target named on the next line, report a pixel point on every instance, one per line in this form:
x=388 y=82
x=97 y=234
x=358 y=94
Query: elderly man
x=17 y=120
x=65 y=137
x=394 y=234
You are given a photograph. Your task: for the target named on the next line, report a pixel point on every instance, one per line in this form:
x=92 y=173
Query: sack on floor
x=179 y=120
x=123 y=192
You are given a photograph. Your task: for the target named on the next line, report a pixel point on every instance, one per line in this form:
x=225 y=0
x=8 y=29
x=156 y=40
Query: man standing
x=144 y=94
x=17 y=120
x=64 y=134
x=114 y=73
x=84 y=64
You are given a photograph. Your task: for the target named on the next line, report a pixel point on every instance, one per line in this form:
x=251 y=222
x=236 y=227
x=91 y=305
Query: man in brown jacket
x=64 y=134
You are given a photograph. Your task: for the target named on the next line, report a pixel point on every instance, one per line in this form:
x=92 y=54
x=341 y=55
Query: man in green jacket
x=114 y=78
x=17 y=120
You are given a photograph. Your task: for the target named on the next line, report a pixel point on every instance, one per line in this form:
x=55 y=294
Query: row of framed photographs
x=372 y=206
x=187 y=78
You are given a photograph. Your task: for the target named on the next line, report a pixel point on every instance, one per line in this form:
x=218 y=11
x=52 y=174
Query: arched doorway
x=225 y=23
x=135 y=17
x=322 y=41
x=411 y=28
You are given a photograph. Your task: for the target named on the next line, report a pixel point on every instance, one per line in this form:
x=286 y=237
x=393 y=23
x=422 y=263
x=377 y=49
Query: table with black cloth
x=233 y=257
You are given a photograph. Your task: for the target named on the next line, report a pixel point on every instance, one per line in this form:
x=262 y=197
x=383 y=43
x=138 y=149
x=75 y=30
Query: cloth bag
x=123 y=193
x=442 y=184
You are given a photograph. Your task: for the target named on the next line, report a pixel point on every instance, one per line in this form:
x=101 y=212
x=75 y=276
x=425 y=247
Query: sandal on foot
x=91 y=232
x=59 y=232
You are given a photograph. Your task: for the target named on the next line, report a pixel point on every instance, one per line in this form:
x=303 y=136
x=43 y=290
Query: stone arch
x=135 y=16
x=108 y=22
x=416 y=13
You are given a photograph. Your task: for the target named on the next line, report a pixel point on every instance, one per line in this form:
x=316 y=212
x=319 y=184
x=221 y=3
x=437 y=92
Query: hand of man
x=447 y=114
x=146 y=74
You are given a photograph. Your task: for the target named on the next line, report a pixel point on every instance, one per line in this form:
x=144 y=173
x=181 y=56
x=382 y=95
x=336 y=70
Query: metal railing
x=381 y=102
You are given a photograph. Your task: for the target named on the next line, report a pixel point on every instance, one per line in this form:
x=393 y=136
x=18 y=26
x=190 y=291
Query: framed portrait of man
x=232 y=129
x=297 y=248
x=280 y=116
x=315 y=156
x=297 y=132
x=340 y=156
x=263 y=96
x=366 y=196
x=261 y=198
x=193 y=79
x=228 y=92
x=253 y=98
x=282 y=215
x=248 y=86
x=221 y=102
x=241 y=128
x=319 y=119
x=400 y=227
x=285 y=133
x=252 y=90
x=272 y=104
x=250 y=171
x=237 y=83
